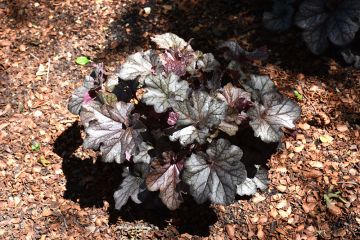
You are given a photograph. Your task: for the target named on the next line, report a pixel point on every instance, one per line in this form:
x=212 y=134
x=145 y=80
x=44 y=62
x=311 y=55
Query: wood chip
x=299 y=148
x=5 y=43
x=281 y=188
x=316 y=164
x=46 y=212
x=230 y=231
x=258 y=198
x=22 y=48
x=312 y=174
x=342 y=128
x=304 y=126
x=283 y=203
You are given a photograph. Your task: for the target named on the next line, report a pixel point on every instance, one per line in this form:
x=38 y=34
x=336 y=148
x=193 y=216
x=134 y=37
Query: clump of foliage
x=171 y=117
x=281 y=17
x=323 y=21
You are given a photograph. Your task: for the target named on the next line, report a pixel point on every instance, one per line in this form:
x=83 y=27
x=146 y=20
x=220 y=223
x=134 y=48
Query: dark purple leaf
x=176 y=61
x=164 y=176
x=214 y=82
x=316 y=38
x=233 y=51
x=280 y=19
x=234 y=96
x=351 y=58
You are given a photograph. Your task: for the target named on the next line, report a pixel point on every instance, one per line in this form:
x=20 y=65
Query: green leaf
x=108 y=98
x=326 y=138
x=298 y=95
x=82 y=60
x=35 y=146
x=43 y=161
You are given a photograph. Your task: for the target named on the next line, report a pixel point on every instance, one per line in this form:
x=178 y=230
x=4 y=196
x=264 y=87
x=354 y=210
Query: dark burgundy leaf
x=233 y=51
x=177 y=61
x=234 y=96
x=280 y=19
x=164 y=176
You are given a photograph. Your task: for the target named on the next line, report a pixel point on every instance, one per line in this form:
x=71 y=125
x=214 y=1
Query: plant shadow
x=89 y=183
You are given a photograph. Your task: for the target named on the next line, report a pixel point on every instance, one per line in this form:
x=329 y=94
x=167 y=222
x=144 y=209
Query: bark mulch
x=52 y=188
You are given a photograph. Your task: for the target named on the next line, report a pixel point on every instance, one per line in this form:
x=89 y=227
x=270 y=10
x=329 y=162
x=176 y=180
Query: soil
x=52 y=188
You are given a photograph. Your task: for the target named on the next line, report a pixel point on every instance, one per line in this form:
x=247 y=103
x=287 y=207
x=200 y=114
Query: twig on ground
x=34 y=56
x=354 y=183
x=48 y=71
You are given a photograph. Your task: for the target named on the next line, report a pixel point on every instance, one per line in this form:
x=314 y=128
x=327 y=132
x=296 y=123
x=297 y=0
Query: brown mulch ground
x=60 y=191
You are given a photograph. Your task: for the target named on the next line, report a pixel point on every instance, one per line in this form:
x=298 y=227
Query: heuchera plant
x=281 y=16
x=336 y=21
x=169 y=117
x=323 y=21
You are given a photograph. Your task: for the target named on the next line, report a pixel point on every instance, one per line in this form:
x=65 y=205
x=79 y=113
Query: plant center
x=333 y=5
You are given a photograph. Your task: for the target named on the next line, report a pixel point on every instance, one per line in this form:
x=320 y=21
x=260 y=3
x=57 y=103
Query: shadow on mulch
x=208 y=23
x=89 y=184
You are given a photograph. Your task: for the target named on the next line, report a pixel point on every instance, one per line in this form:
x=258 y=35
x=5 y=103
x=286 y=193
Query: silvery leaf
x=267 y=121
x=249 y=186
x=189 y=134
x=161 y=90
x=114 y=131
x=216 y=174
x=169 y=41
x=140 y=64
